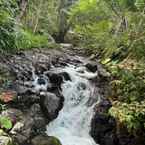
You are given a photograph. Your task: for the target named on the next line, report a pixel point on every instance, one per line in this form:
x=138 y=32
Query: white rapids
x=72 y=126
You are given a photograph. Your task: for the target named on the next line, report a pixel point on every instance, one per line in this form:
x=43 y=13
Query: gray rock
x=66 y=45
x=17 y=127
x=33 y=123
x=21 y=88
x=41 y=67
x=103 y=126
x=92 y=66
x=55 y=79
x=50 y=104
x=22 y=134
x=4 y=140
x=103 y=73
x=38 y=118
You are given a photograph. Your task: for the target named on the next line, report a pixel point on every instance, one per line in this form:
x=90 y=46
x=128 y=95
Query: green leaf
x=5 y=122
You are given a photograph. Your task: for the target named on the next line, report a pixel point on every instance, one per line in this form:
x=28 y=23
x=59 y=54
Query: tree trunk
x=23 y=6
x=63 y=25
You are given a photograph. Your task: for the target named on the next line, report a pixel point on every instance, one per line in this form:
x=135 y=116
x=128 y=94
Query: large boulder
x=94 y=66
x=50 y=104
x=33 y=123
x=45 y=140
x=103 y=129
x=55 y=79
x=103 y=126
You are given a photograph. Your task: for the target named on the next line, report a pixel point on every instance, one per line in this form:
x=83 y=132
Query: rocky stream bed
x=37 y=77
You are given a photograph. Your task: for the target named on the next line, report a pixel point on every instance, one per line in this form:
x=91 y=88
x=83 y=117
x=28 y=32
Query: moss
x=45 y=140
x=54 y=141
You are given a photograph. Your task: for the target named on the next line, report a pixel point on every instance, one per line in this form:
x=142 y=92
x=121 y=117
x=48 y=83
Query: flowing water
x=72 y=125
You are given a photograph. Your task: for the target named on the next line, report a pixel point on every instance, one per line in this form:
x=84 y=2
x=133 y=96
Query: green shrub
x=26 y=39
x=131 y=115
x=7 y=13
x=12 y=36
x=128 y=85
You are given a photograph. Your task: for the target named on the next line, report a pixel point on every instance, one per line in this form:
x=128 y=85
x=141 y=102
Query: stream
x=62 y=94
x=72 y=126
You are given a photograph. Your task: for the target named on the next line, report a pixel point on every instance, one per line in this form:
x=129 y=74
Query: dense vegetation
x=114 y=30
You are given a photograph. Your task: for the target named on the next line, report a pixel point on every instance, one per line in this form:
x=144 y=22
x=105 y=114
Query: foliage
x=41 y=16
x=13 y=36
x=132 y=115
x=128 y=95
x=115 y=30
x=110 y=28
x=128 y=85
x=5 y=123
x=26 y=40
x=7 y=13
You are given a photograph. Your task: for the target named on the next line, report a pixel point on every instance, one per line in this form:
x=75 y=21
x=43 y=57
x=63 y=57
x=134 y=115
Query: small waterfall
x=72 y=125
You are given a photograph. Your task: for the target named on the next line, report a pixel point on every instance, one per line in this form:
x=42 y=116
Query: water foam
x=72 y=126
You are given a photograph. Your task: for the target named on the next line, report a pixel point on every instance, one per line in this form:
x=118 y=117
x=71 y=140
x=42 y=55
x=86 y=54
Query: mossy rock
x=45 y=140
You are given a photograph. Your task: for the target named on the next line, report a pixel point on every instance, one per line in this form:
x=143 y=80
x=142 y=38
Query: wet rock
x=50 y=104
x=55 y=61
x=66 y=76
x=103 y=106
x=92 y=66
x=41 y=81
x=55 y=79
x=103 y=129
x=5 y=140
x=103 y=126
x=45 y=140
x=41 y=67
